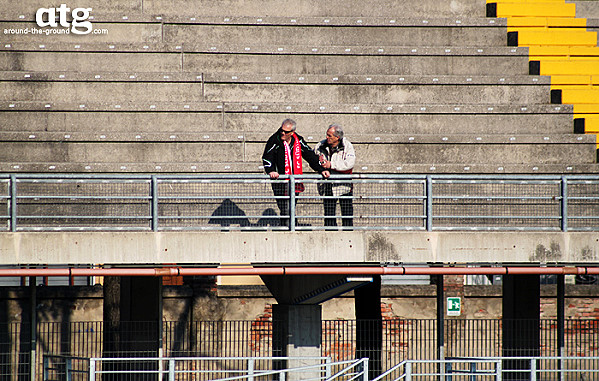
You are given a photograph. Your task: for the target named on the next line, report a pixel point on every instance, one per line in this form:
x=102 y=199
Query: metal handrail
x=428 y=198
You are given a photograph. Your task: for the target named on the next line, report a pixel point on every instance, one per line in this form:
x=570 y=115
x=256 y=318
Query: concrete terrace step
x=144 y=92
x=257 y=137
x=208 y=77
x=236 y=148
x=337 y=36
x=272 y=61
x=305 y=8
x=290 y=107
x=101 y=18
x=271 y=34
x=229 y=47
x=310 y=121
x=169 y=167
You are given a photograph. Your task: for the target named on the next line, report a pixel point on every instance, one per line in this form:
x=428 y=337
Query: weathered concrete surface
x=313 y=124
x=405 y=94
x=28 y=7
x=203 y=248
x=427 y=8
x=586 y=8
x=124 y=92
x=90 y=62
x=382 y=64
x=214 y=151
x=406 y=64
x=115 y=33
x=336 y=36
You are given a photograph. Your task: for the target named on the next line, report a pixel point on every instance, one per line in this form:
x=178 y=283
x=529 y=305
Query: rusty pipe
x=298 y=270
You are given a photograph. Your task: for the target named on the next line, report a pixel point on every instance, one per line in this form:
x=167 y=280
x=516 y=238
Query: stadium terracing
x=134 y=149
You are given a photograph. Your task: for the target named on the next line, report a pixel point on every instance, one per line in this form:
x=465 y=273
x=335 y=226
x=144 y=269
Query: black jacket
x=273 y=157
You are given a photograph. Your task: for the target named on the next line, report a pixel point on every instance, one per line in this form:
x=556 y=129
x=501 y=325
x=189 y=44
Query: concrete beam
x=209 y=248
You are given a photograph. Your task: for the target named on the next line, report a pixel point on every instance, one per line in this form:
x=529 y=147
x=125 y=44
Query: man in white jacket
x=337 y=154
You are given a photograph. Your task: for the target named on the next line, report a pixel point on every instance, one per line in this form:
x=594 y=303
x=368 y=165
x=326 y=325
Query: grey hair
x=337 y=130
x=289 y=122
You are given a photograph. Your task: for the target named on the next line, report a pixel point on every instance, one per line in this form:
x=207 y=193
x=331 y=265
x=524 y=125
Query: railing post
x=46 y=366
x=328 y=368
x=473 y=371
x=499 y=370
x=429 y=203
x=171 y=370
x=67 y=369
x=92 y=369
x=564 y=203
x=447 y=372
x=533 y=369
x=292 y=203
x=365 y=369
x=408 y=371
x=251 y=370
x=154 y=200
x=13 y=203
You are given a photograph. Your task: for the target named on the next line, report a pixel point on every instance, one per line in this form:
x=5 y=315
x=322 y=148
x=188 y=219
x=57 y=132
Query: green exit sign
x=454 y=306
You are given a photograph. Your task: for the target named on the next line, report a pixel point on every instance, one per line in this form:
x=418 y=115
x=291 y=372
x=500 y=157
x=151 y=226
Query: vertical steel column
x=560 y=322
x=160 y=332
x=564 y=203
x=13 y=203
x=33 y=328
x=154 y=201
x=429 y=203
x=292 y=203
x=440 y=325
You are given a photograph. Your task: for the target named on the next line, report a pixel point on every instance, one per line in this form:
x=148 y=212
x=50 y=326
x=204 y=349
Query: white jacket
x=342 y=158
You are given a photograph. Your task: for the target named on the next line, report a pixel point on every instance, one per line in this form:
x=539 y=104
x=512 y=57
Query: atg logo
x=47 y=17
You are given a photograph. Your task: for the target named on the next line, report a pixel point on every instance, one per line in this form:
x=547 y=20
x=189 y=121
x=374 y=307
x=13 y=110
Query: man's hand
x=274 y=175
x=324 y=162
x=326 y=174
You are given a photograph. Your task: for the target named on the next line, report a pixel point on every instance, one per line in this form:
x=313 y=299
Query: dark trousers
x=330 y=208
x=282 y=189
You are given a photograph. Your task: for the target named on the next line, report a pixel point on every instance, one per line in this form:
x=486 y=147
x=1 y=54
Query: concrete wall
x=297 y=247
x=84 y=303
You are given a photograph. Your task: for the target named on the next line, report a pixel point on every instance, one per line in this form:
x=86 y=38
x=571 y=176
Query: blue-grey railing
x=46 y=202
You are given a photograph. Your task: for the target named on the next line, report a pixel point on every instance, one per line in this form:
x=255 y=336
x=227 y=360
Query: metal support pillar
x=33 y=328
x=561 y=322
x=440 y=323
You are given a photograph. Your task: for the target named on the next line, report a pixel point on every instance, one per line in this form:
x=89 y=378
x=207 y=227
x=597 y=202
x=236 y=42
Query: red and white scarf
x=294 y=166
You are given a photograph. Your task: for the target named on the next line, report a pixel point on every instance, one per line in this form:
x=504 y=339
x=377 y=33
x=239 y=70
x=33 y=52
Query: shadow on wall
x=229 y=213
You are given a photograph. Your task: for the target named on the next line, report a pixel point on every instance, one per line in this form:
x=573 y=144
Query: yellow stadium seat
x=537 y=9
x=557 y=36
x=525 y=1
x=569 y=67
x=561 y=80
x=586 y=108
x=580 y=96
x=591 y=125
x=564 y=51
x=544 y=22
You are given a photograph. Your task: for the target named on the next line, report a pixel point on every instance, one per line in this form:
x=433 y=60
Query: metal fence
x=31 y=202
x=402 y=339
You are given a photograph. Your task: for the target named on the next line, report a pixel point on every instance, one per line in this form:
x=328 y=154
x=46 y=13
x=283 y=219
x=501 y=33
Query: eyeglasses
x=285 y=132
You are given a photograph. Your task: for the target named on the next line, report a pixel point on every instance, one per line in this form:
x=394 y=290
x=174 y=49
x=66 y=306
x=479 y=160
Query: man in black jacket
x=283 y=155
